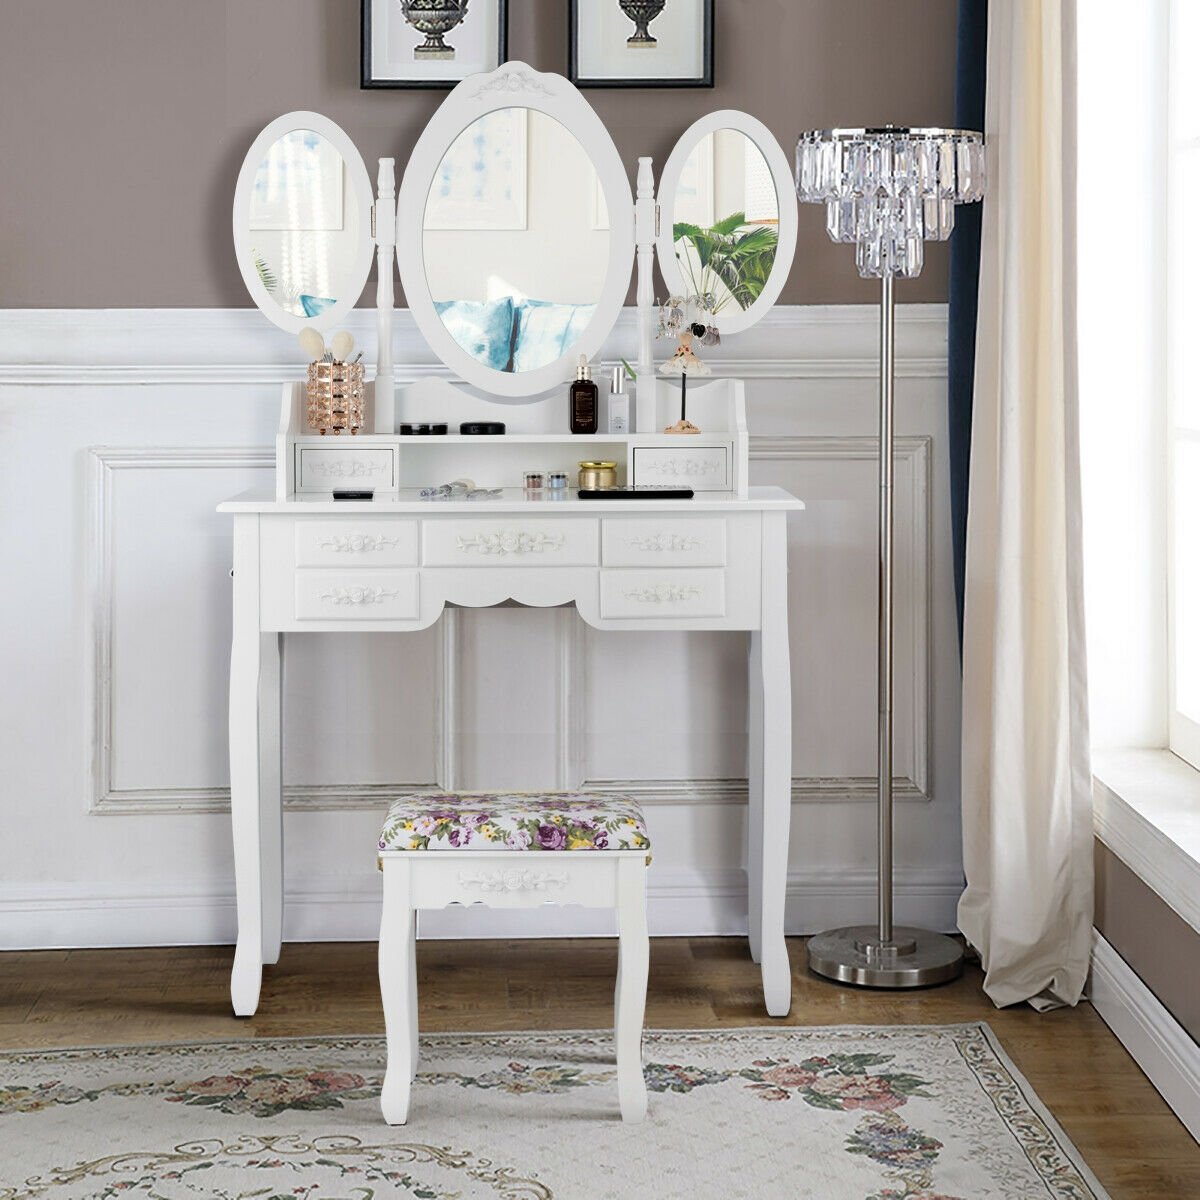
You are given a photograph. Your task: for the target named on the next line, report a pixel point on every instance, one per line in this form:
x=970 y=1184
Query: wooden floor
x=101 y=997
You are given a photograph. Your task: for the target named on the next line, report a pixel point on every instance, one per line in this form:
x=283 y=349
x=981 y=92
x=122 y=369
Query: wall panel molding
x=196 y=346
x=105 y=797
x=917 y=451
x=570 y=635
x=197 y=389
x=683 y=901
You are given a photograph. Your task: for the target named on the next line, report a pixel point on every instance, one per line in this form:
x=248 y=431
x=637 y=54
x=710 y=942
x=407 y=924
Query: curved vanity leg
x=772 y=757
x=244 y=779
x=754 y=807
x=633 y=966
x=397 y=987
x=270 y=777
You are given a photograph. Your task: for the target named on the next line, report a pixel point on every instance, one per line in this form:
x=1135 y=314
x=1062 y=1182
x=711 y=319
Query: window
x=1183 y=408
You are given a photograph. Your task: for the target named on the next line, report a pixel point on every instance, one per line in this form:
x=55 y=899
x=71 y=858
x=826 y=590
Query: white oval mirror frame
x=513 y=85
x=359 y=191
x=758 y=135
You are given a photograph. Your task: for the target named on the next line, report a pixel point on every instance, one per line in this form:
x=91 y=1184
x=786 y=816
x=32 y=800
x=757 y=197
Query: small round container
x=475 y=428
x=596 y=476
x=535 y=481
x=556 y=481
x=423 y=429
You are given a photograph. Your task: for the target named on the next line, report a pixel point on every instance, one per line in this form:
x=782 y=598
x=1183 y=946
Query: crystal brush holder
x=335 y=397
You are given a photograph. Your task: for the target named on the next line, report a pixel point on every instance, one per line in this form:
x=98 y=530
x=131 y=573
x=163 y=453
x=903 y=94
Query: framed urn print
x=431 y=43
x=641 y=43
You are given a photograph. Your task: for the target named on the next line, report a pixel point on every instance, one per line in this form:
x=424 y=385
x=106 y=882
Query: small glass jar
x=535 y=481
x=595 y=476
x=556 y=481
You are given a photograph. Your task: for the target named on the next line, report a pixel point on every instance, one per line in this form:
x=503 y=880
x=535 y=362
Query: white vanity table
x=304 y=561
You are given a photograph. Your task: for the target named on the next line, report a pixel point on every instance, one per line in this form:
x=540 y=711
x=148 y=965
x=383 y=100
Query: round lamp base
x=913 y=958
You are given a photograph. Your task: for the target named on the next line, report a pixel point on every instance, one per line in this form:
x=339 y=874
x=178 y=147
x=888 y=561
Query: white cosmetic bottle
x=618 y=402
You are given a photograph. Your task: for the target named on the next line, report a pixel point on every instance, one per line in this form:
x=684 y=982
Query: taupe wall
x=123 y=123
x=1151 y=937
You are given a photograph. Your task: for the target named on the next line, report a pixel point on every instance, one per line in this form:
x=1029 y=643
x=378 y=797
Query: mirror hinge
x=372 y=221
x=658 y=220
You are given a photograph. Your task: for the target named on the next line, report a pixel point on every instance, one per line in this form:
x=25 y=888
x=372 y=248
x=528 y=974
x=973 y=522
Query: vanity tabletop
x=262 y=500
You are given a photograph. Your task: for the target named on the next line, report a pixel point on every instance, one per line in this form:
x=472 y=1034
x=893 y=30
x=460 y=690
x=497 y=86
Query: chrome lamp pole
x=888 y=191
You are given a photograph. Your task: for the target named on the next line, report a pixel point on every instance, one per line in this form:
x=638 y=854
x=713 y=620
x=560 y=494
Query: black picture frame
x=367 y=80
x=702 y=81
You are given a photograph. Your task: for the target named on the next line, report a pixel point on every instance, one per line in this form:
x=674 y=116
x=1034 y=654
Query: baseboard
x=683 y=902
x=1160 y=1046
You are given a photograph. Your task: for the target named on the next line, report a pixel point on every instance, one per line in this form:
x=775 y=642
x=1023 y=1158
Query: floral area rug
x=891 y=1113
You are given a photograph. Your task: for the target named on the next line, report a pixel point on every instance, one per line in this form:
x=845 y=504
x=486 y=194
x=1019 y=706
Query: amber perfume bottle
x=585 y=400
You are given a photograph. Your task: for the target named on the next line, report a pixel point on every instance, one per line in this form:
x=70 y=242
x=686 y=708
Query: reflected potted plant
x=730 y=260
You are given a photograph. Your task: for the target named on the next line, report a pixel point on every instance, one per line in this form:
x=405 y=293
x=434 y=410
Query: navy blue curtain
x=970 y=78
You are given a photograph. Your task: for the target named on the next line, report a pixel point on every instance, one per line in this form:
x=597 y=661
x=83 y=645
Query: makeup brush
x=312 y=343
x=341 y=344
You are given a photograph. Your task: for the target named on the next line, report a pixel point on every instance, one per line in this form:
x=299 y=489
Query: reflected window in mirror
x=726 y=221
x=515 y=240
x=303 y=225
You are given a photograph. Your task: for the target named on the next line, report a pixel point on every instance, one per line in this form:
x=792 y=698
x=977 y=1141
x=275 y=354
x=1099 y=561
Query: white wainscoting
x=124 y=428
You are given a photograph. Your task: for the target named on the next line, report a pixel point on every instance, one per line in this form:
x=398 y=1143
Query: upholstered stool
x=511 y=850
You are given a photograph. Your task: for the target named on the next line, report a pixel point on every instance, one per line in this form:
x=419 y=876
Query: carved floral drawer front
x=365 y=542
x=568 y=877
x=702 y=468
x=516 y=542
x=323 y=468
x=357 y=595
x=646 y=595
x=652 y=542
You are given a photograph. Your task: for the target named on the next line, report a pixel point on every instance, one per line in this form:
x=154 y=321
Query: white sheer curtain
x=1026 y=774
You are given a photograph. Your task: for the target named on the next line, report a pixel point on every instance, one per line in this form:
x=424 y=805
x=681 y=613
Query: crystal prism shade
x=890 y=190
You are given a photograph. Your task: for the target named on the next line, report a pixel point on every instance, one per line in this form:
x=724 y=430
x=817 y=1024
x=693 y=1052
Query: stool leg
x=633 y=965
x=397 y=986
x=414 y=1051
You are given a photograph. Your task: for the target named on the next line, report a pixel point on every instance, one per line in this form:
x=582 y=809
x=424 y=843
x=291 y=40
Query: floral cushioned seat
x=513 y=821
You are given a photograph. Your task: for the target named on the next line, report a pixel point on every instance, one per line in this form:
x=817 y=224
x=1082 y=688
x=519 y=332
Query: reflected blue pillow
x=546 y=331
x=483 y=328
x=313 y=305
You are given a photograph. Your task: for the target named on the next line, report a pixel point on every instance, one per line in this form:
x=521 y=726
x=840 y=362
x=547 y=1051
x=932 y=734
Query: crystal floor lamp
x=888 y=191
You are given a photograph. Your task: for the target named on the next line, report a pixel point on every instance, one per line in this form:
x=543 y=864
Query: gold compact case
x=594 y=476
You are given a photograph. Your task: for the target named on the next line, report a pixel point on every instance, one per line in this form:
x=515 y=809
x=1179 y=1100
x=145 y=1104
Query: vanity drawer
x=513 y=543
x=369 y=542
x=322 y=468
x=670 y=593
x=679 y=541
x=702 y=468
x=357 y=595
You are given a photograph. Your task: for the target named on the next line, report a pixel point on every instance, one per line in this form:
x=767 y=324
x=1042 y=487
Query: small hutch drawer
x=322 y=468
x=702 y=468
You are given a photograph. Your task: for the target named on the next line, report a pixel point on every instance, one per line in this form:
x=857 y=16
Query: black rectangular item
x=354 y=494
x=648 y=493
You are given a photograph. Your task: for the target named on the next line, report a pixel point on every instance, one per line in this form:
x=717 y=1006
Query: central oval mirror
x=521 y=258
x=516 y=240
x=301 y=222
x=728 y=218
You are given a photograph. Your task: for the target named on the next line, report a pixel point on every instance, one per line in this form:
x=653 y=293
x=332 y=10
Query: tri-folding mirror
x=727 y=218
x=514 y=228
x=302 y=222
x=515 y=231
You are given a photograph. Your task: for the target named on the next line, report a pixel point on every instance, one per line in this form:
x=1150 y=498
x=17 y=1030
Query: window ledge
x=1147 y=812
